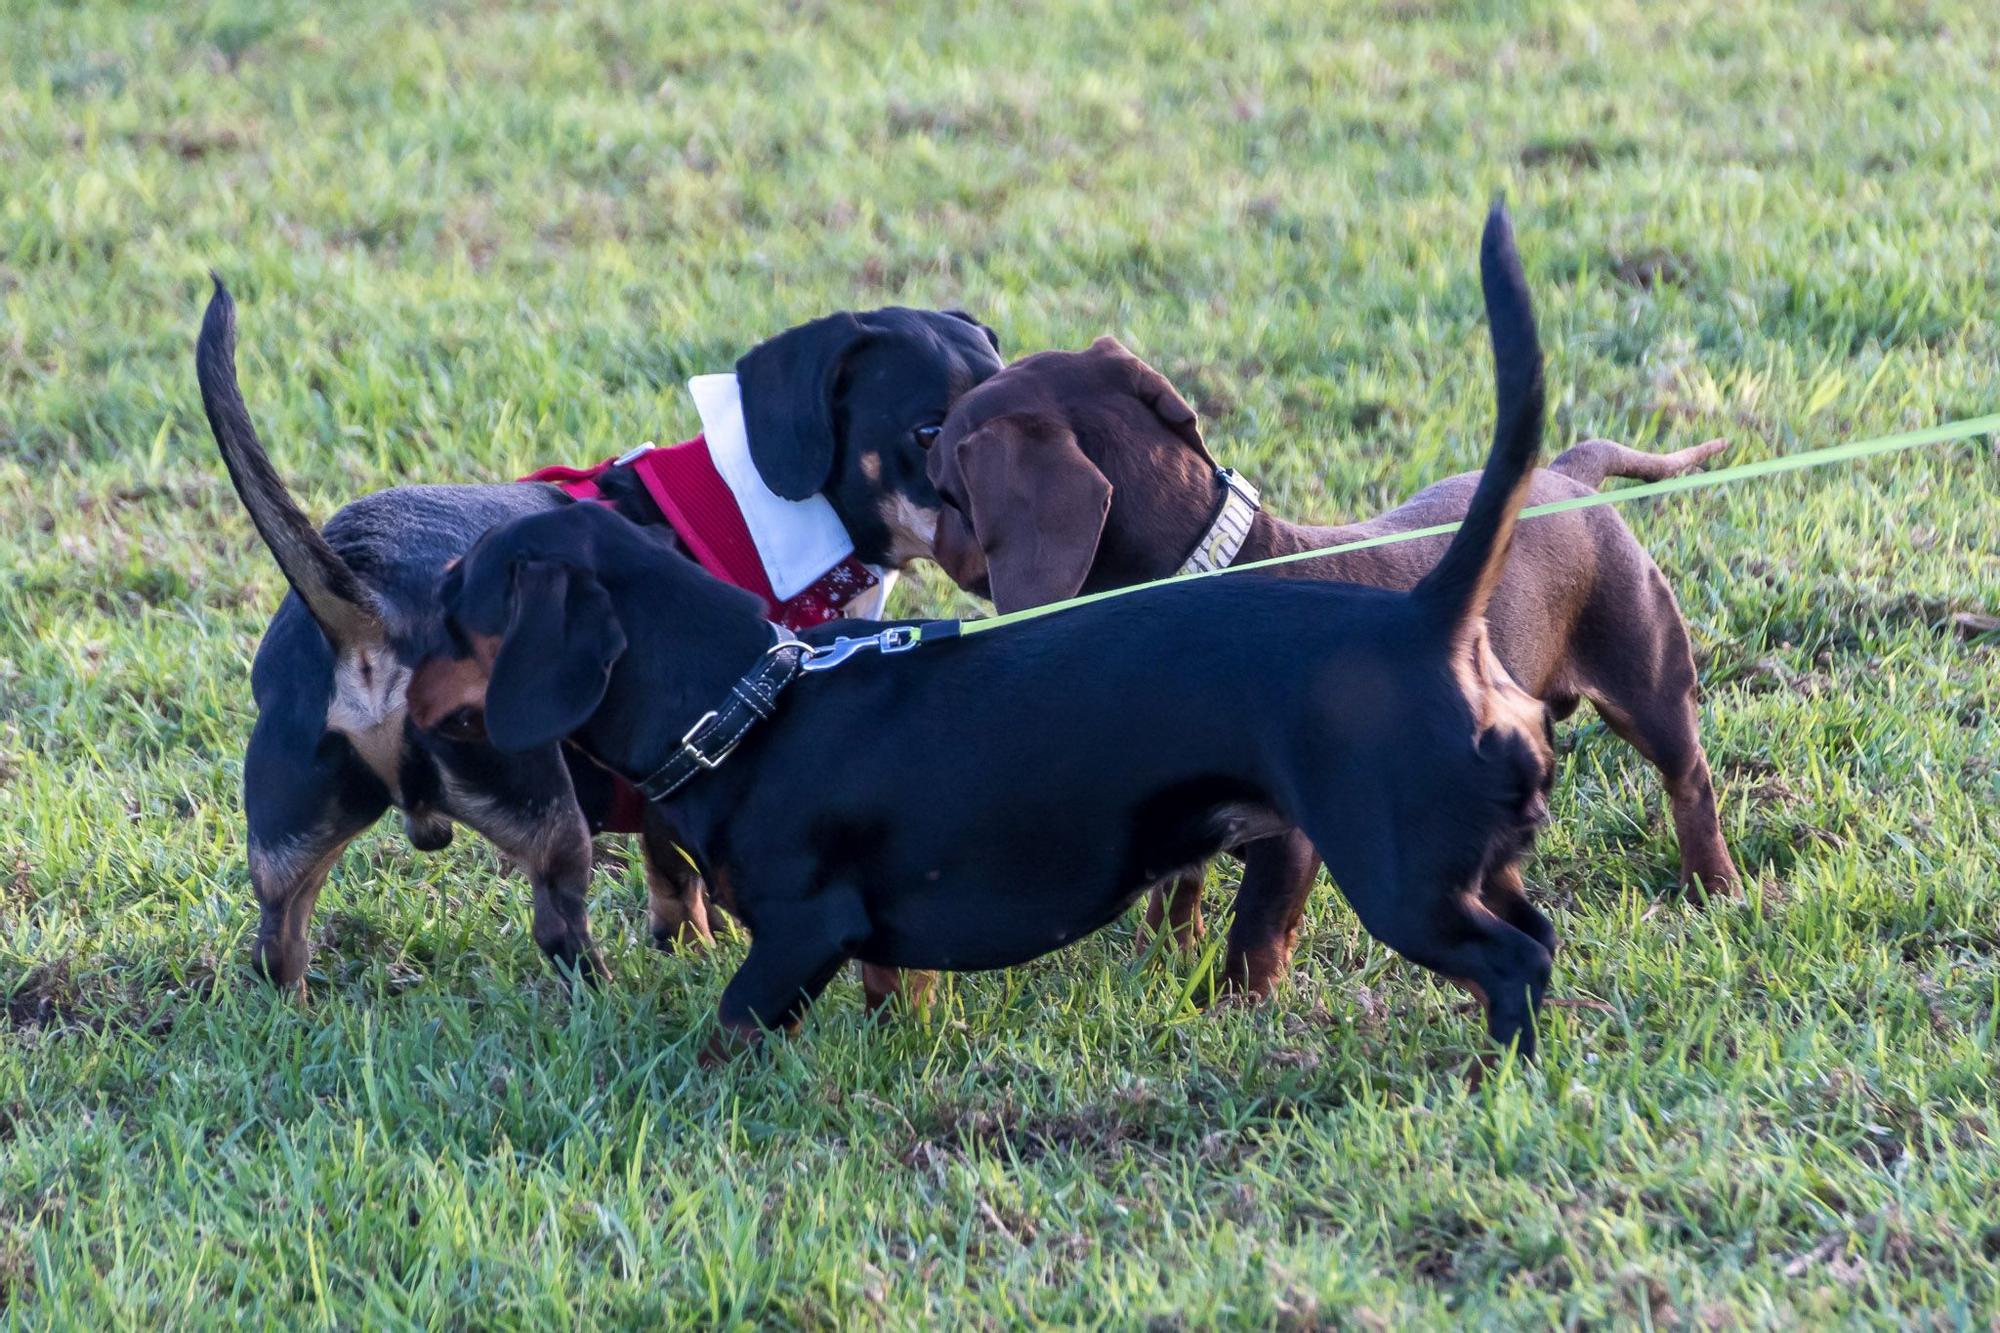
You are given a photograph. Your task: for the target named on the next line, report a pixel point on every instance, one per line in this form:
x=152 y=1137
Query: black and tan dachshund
x=986 y=800
x=844 y=407
x=1077 y=472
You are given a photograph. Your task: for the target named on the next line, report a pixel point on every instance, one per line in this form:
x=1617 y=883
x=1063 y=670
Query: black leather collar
x=751 y=700
x=755 y=697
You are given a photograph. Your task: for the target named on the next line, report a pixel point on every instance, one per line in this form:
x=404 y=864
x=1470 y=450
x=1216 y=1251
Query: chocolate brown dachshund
x=1075 y=472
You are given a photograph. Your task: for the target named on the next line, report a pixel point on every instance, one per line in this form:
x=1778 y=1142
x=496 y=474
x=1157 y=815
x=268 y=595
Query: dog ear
x=555 y=658
x=991 y=336
x=788 y=385
x=1038 y=508
x=1152 y=388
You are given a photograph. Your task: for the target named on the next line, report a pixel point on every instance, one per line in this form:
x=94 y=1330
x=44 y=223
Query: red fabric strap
x=697 y=502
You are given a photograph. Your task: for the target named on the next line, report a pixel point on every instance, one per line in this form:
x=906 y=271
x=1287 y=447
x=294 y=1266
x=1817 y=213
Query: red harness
x=684 y=483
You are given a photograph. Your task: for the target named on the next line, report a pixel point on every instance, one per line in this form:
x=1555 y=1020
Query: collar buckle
x=752 y=699
x=692 y=752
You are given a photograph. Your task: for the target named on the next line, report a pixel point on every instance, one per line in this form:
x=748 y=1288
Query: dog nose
x=958 y=552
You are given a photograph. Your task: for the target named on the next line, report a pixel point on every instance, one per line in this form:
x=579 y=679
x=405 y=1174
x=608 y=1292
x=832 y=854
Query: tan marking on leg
x=881 y=985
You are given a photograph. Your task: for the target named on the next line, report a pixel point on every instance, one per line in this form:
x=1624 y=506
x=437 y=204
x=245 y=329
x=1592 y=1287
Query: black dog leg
x=1505 y=898
x=1417 y=910
x=306 y=797
x=532 y=816
x=1174 y=908
x=789 y=964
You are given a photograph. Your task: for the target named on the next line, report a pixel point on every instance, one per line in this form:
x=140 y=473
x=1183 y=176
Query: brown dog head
x=1030 y=465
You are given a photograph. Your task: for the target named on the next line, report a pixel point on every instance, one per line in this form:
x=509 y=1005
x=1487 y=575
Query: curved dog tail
x=1458 y=587
x=1592 y=461
x=329 y=587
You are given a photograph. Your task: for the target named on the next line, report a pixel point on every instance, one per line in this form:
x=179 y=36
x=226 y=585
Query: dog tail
x=329 y=587
x=1458 y=587
x=1594 y=460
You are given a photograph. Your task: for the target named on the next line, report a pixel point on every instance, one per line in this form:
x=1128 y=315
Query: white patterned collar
x=1220 y=545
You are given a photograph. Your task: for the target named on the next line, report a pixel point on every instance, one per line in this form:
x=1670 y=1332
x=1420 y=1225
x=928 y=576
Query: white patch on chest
x=912 y=529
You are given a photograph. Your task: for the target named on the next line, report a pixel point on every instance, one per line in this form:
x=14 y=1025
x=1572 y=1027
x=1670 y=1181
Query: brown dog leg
x=881 y=985
x=1278 y=875
x=1667 y=732
x=676 y=914
x=1175 y=907
x=1594 y=460
x=1635 y=663
x=1671 y=742
x=1706 y=867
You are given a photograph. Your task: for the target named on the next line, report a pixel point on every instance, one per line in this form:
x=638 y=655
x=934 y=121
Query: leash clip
x=895 y=639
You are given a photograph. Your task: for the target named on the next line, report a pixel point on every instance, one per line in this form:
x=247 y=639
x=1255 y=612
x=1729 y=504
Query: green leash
x=1768 y=467
x=902 y=638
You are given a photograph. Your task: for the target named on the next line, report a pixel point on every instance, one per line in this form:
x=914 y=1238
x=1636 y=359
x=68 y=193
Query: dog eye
x=927 y=435
x=462 y=724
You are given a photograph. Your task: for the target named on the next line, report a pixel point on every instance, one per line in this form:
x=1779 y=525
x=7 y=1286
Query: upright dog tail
x=1458 y=587
x=329 y=587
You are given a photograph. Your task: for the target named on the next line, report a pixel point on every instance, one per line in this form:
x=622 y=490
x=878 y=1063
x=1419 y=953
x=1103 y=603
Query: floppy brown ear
x=1152 y=388
x=555 y=658
x=1038 y=508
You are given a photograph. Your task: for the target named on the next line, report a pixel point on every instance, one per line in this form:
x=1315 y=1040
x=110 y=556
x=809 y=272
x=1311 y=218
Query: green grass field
x=469 y=239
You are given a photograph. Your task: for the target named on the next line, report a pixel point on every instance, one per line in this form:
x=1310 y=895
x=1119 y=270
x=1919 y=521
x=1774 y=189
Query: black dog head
x=533 y=638
x=847 y=406
x=531 y=631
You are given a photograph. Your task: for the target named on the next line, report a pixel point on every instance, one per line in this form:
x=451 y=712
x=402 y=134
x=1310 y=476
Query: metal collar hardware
x=1229 y=529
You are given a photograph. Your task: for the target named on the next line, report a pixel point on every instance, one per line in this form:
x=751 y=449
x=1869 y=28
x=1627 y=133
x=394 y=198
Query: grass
x=471 y=238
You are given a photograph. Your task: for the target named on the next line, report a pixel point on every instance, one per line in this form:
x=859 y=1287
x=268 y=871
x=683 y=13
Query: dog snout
x=957 y=550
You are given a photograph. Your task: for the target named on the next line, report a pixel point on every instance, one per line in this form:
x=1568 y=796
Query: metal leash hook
x=895 y=639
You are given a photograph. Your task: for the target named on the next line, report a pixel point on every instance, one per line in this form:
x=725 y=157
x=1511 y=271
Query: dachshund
x=977 y=802
x=843 y=407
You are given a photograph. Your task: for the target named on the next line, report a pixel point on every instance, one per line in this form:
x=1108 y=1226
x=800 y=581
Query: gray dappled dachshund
x=843 y=407
x=983 y=800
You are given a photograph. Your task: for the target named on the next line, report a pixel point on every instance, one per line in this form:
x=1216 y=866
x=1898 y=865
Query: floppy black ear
x=788 y=384
x=555 y=658
x=991 y=336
